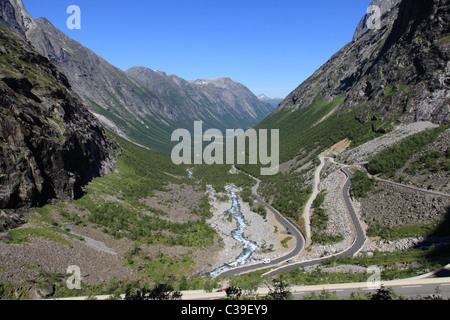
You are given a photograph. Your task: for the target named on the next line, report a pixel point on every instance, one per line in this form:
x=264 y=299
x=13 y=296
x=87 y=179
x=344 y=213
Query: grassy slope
x=390 y=160
x=140 y=173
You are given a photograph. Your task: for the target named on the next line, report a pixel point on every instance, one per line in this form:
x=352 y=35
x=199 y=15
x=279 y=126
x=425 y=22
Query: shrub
x=362 y=184
x=159 y=292
x=388 y=161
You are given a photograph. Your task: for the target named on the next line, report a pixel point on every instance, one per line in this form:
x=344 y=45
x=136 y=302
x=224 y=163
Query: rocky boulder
x=9 y=221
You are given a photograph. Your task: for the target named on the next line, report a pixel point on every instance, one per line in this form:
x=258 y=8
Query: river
x=249 y=247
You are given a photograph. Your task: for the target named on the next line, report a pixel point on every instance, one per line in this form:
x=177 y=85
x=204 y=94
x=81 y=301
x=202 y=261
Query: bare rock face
x=399 y=73
x=50 y=145
x=384 y=6
x=9 y=221
x=14 y=16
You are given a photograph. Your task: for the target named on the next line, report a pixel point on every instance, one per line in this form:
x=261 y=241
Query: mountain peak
x=215 y=81
x=273 y=102
x=14 y=16
x=141 y=69
x=263 y=97
x=385 y=6
x=397 y=74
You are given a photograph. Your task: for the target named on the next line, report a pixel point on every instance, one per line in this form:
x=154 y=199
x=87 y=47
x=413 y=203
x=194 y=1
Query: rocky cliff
x=384 y=7
x=14 y=16
x=397 y=74
x=50 y=145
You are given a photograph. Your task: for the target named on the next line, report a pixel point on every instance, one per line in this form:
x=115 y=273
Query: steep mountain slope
x=398 y=74
x=145 y=113
x=14 y=16
x=368 y=21
x=50 y=145
x=105 y=89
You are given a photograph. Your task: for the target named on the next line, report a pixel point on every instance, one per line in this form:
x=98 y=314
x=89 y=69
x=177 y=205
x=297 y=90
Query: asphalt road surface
x=294 y=230
x=434 y=283
x=409 y=291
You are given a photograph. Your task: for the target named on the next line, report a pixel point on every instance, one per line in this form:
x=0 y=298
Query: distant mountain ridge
x=141 y=112
x=211 y=100
x=273 y=102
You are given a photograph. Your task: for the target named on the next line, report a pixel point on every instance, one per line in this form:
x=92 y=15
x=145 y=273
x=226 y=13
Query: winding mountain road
x=358 y=242
x=294 y=230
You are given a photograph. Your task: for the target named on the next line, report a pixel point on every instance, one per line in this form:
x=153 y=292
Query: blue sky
x=269 y=46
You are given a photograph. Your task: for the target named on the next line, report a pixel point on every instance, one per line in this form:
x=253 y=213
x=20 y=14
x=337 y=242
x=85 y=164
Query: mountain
x=50 y=144
x=221 y=102
x=15 y=16
x=142 y=112
x=381 y=103
x=396 y=75
x=379 y=106
x=273 y=102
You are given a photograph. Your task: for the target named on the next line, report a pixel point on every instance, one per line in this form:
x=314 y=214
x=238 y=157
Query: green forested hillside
x=392 y=159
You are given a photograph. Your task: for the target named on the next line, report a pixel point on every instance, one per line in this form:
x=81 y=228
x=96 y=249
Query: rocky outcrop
x=14 y=16
x=9 y=221
x=384 y=6
x=50 y=145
